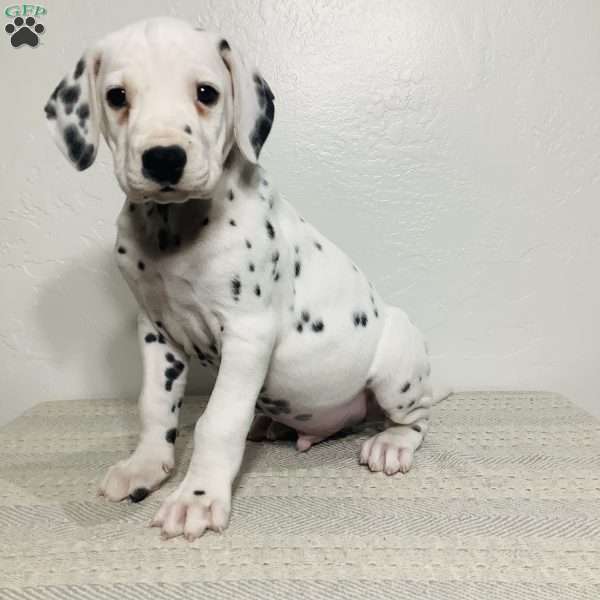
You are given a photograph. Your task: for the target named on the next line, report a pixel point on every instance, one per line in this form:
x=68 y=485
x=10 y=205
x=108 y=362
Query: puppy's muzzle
x=164 y=164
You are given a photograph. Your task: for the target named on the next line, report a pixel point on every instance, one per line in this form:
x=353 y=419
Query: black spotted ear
x=72 y=113
x=253 y=108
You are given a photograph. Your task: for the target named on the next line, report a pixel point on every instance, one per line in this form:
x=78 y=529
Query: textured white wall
x=452 y=148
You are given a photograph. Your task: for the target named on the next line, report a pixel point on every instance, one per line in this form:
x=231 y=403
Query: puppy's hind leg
x=399 y=380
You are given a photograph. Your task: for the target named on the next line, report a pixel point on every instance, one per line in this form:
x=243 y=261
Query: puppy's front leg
x=165 y=373
x=203 y=499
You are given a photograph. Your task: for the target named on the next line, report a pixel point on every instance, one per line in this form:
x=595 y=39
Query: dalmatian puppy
x=227 y=271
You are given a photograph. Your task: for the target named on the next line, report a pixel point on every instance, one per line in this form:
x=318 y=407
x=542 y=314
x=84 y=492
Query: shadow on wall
x=72 y=310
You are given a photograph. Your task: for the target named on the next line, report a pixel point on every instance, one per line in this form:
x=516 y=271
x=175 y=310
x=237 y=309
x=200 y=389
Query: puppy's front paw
x=192 y=508
x=389 y=451
x=137 y=476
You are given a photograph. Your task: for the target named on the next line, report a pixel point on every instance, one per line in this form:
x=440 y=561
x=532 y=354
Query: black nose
x=164 y=164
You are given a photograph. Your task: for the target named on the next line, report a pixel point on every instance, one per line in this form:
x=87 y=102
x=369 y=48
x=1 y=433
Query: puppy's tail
x=435 y=395
x=441 y=392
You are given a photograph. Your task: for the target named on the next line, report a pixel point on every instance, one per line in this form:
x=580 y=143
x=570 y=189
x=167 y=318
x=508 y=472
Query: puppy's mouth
x=142 y=190
x=165 y=195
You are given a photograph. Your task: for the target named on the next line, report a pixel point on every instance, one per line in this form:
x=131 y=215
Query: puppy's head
x=171 y=101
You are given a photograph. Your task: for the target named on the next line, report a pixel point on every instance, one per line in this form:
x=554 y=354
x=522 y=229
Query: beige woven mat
x=502 y=503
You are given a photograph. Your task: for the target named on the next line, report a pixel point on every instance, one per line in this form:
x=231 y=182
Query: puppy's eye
x=116 y=97
x=207 y=94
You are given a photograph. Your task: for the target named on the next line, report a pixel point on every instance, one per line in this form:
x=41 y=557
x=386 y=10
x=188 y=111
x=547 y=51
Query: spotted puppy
x=227 y=271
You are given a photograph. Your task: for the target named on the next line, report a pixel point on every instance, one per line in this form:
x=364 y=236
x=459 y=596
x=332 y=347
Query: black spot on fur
x=161 y=339
x=369 y=381
x=257 y=290
x=159 y=324
x=305 y=316
x=251 y=267
x=187 y=129
x=150 y=337
x=264 y=122
x=236 y=288
x=199 y=353
x=83 y=112
x=180 y=403
x=405 y=387
x=270 y=230
x=171 y=436
x=411 y=404
x=230 y=195
x=416 y=428
x=223 y=45
x=276 y=277
x=199 y=492
x=50 y=111
x=318 y=326
x=248 y=245
x=87 y=158
x=275 y=256
x=232 y=222
x=170 y=358
x=58 y=88
x=69 y=95
x=297 y=268
x=79 y=68
x=318 y=246
x=360 y=318
x=79 y=152
x=141 y=265
x=303 y=417
x=171 y=373
x=121 y=250
x=299 y=328
x=138 y=494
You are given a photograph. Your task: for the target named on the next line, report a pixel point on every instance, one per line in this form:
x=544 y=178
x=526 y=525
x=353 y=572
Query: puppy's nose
x=164 y=164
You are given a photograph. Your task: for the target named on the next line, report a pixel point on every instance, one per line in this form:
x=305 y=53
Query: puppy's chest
x=163 y=251
x=191 y=266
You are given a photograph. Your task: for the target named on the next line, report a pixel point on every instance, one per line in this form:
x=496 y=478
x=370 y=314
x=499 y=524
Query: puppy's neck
x=165 y=228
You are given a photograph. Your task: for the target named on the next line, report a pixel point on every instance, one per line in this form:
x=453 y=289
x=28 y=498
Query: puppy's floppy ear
x=73 y=115
x=253 y=108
